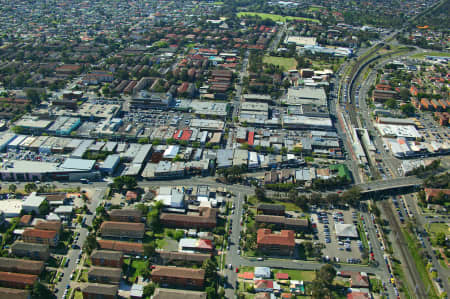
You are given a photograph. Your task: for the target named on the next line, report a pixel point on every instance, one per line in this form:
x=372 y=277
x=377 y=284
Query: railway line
x=407 y=258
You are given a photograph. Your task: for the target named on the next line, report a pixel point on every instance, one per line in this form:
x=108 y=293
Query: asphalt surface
x=73 y=254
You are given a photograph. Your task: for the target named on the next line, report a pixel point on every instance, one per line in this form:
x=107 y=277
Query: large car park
x=344 y=250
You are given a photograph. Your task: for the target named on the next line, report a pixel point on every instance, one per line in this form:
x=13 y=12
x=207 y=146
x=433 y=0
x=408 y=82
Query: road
x=73 y=254
x=232 y=256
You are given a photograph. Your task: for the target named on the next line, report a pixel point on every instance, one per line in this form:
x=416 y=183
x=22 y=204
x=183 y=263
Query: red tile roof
x=10 y=277
x=282 y=276
x=39 y=233
x=246 y=275
x=285 y=237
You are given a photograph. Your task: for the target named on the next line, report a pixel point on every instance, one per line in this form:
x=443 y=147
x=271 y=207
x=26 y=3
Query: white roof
x=346 y=230
x=171 y=151
x=33 y=200
x=11 y=207
x=262 y=272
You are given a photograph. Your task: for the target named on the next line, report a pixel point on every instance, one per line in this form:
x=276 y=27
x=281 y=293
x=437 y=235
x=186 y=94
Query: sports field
x=285 y=63
x=275 y=18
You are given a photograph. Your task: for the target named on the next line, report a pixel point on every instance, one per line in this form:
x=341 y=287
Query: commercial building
x=211 y=109
x=110 y=164
x=300 y=40
x=307 y=123
x=345 y=230
x=32 y=203
x=148 y=101
x=306 y=95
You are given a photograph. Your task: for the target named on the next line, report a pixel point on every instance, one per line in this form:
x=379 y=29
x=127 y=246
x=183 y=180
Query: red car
x=237 y=269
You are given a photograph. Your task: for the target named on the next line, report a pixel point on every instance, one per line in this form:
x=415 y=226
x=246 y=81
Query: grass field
x=314 y=8
x=283 y=62
x=435 y=228
x=421 y=268
x=423 y=55
x=298 y=274
x=275 y=18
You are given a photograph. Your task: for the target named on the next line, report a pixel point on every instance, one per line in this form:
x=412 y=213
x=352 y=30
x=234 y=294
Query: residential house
x=282 y=243
x=98 y=290
x=432 y=194
x=205 y=219
x=359 y=280
x=114 y=229
x=195 y=245
x=30 y=250
x=358 y=295
x=178 y=276
x=106 y=275
x=125 y=215
x=264 y=285
x=17 y=280
x=41 y=236
x=21 y=266
x=107 y=258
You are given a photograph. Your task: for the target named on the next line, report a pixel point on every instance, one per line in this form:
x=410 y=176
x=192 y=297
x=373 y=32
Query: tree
x=352 y=196
x=12 y=188
x=100 y=211
x=391 y=104
x=33 y=96
x=90 y=243
x=440 y=238
x=408 y=109
x=260 y=194
x=149 y=249
x=30 y=187
x=128 y=181
x=149 y=289
x=44 y=208
x=319 y=290
x=327 y=273
x=40 y=291
x=292 y=195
